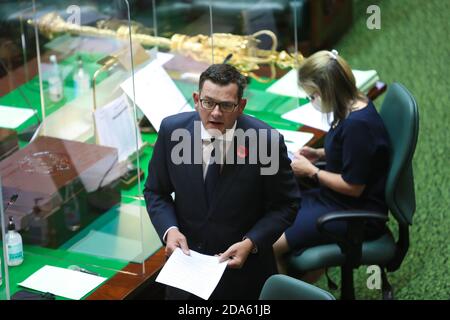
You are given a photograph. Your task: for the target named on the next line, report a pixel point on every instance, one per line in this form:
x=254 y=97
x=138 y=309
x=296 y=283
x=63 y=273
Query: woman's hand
x=302 y=166
x=311 y=154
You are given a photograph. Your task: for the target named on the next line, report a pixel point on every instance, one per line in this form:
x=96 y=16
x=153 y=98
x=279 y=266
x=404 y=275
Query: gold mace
x=240 y=51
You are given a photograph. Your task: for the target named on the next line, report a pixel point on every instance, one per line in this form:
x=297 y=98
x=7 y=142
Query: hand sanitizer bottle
x=14 y=245
x=55 y=83
x=81 y=79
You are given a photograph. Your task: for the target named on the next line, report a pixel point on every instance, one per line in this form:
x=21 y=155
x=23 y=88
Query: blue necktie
x=212 y=175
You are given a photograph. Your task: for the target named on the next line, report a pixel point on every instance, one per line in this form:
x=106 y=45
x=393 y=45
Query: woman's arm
x=304 y=168
x=335 y=182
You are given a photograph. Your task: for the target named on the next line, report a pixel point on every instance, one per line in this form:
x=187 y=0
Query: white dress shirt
x=207 y=147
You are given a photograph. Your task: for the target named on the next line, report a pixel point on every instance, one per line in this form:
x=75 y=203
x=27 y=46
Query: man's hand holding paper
x=196 y=273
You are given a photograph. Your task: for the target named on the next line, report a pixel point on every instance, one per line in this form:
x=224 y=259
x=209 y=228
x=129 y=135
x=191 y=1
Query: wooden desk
x=123 y=285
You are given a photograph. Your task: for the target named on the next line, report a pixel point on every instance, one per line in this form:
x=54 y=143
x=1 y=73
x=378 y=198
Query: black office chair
x=282 y=287
x=400 y=115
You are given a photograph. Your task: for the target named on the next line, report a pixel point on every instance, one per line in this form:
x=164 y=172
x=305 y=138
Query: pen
x=77 y=268
x=89 y=272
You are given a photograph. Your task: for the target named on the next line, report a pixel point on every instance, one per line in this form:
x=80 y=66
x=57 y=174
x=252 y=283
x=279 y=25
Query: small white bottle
x=55 y=83
x=14 y=246
x=81 y=79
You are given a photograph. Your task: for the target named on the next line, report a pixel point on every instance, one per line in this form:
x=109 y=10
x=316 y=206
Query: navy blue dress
x=358 y=149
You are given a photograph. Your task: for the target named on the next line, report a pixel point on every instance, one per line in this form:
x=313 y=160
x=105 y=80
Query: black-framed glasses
x=224 y=106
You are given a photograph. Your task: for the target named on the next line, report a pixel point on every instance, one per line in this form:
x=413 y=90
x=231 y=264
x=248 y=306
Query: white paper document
x=62 y=282
x=309 y=116
x=12 y=117
x=198 y=274
x=288 y=84
x=365 y=79
x=294 y=140
x=116 y=128
x=156 y=94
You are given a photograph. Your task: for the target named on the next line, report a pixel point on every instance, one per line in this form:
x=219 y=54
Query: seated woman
x=356 y=151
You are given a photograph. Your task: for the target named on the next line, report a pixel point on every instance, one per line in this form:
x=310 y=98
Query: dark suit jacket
x=245 y=204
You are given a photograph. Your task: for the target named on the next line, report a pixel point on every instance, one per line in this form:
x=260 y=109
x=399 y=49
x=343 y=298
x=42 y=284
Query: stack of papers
x=62 y=282
x=365 y=79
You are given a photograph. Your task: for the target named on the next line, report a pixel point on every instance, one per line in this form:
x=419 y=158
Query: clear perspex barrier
x=77 y=173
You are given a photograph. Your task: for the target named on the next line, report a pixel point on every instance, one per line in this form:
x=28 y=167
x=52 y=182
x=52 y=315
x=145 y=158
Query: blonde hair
x=329 y=75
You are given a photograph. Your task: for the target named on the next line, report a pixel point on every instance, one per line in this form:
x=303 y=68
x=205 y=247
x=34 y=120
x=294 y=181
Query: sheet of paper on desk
x=294 y=140
x=309 y=116
x=62 y=282
x=365 y=79
x=12 y=117
x=156 y=94
x=198 y=274
x=116 y=128
x=288 y=84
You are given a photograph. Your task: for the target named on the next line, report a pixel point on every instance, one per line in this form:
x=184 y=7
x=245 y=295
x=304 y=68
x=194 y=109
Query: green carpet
x=413 y=48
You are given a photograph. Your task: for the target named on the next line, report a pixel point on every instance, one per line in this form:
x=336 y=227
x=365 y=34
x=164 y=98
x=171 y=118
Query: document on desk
x=115 y=127
x=309 y=116
x=288 y=84
x=294 y=140
x=12 y=117
x=198 y=274
x=62 y=282
x=156 y=94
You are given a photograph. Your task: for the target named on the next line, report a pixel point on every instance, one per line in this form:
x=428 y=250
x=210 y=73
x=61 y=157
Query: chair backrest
x=401 y=119
x=282 y=287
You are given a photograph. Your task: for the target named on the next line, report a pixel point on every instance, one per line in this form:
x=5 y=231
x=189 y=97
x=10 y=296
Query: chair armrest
x=351 y=242
x=349 y=216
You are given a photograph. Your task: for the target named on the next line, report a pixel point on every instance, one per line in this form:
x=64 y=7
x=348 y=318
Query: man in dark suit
x=234 y=190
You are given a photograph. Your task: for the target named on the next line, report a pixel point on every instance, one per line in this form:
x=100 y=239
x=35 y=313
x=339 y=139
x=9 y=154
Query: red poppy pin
x=242 y=152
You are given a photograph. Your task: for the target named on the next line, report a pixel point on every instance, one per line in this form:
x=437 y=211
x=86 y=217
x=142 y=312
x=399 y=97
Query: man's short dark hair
x=223 y=74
